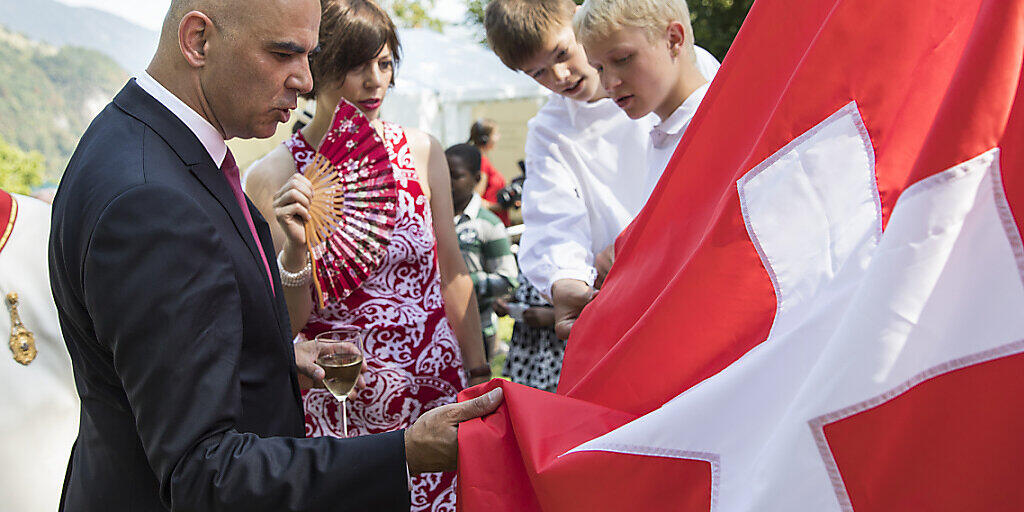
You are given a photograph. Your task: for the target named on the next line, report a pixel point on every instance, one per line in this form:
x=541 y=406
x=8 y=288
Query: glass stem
x=344 y=418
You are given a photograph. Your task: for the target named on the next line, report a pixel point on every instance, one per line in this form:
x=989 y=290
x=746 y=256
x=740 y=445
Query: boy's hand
x=603 y=263
x=569 y=296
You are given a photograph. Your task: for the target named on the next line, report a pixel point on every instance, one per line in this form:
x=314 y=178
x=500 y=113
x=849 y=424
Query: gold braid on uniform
x=23 y=342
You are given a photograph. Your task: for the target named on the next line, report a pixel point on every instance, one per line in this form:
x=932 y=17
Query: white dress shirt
x=586 y=178
x=665 y=136
x=212 y=140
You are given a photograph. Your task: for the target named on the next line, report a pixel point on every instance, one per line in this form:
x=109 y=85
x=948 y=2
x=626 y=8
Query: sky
x=147 y=13
x=150 y=13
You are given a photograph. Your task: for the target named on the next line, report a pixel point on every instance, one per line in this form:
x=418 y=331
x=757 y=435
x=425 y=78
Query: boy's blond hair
x=516 y=28
x=597 y=19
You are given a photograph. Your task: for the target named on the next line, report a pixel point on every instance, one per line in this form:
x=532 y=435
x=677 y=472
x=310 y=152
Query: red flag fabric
x=819 y=307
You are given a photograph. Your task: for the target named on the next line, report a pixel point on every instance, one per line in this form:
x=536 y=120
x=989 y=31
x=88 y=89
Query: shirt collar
x=583 y=113
x=211 y=139
x=572 y=108
x=680 y=119
x=473 y=208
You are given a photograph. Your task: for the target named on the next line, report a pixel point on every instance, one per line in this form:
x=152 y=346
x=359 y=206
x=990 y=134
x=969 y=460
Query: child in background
x=484 y=135
x=535 y=352
x=482 y=239
x=587 y=176
x=644 y=54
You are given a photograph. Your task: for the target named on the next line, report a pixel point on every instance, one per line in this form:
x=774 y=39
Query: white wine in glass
x=341 y=372
x=341 y=357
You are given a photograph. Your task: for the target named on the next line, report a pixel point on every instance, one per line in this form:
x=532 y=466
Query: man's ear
x=193 y=34
x=676 y=36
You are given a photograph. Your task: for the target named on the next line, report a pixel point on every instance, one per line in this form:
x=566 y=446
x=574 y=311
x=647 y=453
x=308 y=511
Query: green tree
x=715 y=22
x=20 y=171
x=49 y=95
x=475 y=12
x=414 y=13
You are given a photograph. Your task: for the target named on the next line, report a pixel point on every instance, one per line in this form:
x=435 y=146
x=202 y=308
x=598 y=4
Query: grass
x=505 y=324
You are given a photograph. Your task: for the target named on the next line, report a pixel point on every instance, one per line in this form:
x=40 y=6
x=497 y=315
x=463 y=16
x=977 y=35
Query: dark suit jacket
x=181 y=352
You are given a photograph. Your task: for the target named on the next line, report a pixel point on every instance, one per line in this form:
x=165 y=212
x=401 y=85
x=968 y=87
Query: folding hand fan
x=352 y=212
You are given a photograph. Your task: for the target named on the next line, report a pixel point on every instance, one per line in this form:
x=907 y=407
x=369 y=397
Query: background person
x=482 y=239
x=535 y=352
x=39 y=407
x=173 y=316
x=484 y=135
x=418 y=306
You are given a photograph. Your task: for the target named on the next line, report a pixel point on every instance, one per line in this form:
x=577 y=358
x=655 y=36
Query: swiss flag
x=822 y=305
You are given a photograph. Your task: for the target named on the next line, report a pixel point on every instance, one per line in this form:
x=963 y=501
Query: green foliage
x=19 y=171
x=475 y=18
x=715 y=22
x=48 y=96
x=414 y=13
x=475 y=12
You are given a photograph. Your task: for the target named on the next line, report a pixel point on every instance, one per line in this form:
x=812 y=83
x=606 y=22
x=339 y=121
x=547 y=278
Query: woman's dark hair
x=481 y=131
x=351 y=33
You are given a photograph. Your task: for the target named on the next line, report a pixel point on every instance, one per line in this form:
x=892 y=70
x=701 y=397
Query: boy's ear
x=676 y=37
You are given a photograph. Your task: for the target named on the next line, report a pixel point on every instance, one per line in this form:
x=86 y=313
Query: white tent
x=441 y=77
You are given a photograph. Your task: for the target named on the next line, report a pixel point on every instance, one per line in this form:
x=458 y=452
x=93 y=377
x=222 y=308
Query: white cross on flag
x=821 y=307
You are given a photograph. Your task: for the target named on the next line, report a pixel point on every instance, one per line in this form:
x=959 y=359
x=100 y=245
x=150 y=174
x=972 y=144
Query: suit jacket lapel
x=137 y=103
x=213 y=179
x=263 y=230
x=283 y=321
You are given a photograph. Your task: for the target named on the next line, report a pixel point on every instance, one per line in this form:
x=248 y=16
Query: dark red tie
x=230 y=169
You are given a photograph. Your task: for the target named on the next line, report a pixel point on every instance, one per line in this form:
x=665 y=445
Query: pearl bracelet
x=295 y=279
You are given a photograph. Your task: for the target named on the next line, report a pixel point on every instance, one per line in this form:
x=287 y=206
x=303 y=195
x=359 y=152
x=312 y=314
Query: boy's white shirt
x=665 y=136
x=587 y=176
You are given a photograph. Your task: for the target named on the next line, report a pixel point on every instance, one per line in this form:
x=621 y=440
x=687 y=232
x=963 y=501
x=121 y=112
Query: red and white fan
x=354 y=204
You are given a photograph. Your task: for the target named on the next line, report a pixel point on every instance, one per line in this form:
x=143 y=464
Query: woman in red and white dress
x=424 y=330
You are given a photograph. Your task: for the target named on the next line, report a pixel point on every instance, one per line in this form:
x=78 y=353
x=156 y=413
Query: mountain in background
x=48 y=95
x=57 y=24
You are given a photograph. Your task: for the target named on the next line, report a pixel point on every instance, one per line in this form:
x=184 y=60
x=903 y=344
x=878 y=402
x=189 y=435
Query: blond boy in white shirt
x=587 y=175
x=644 y=54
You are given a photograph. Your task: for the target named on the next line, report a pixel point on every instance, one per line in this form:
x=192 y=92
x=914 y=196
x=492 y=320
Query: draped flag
x=821 y=307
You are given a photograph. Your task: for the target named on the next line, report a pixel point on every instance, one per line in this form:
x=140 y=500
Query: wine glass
x=341 y=356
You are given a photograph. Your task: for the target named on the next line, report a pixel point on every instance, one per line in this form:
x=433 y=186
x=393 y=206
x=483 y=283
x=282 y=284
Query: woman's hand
x=291 y=207
x=306 y=354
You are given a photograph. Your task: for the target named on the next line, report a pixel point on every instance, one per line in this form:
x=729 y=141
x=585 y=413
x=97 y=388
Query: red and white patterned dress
x=413 y=359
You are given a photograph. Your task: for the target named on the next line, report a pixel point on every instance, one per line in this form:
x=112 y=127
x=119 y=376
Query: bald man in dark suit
x=170 y=301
